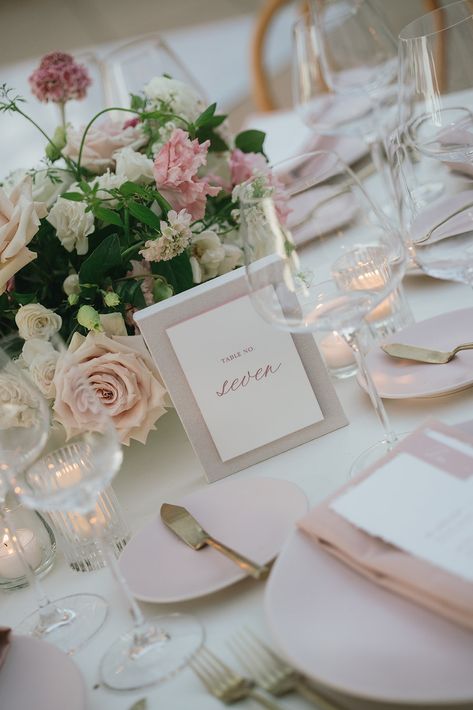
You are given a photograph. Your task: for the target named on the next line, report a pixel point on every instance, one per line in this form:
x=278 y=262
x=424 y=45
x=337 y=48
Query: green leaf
x=24 y=298
x=250 y=141
x=205 y=115
x=108 y=216
x=217 y=144
x=102 y=260
x=144 y=215
x=137 y=102
x=141 y=704
x=74 y=196
x=161 y=290
x=132 y=188
x=215 y=121
x=84 y=186
x=177 y=272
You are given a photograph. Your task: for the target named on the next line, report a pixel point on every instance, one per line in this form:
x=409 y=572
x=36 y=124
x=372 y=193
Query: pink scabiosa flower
x=59 y=78
x=175 y=172
x=175 y=237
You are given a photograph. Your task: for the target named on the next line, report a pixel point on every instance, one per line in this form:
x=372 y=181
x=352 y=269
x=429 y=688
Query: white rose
x=34 y=347
x=48 y=185
x=19 y=221
x=113 y=324
x=36 y=321
x=42 y=370
x=17 y=405
x=233 y=258
x=134 y=166
x=208 y=253
x=71 y=284
x=108 y=181
x=181 y=98
x=73 y=224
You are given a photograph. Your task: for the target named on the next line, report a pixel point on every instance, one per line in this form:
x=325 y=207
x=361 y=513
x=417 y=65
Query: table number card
x=243 y=389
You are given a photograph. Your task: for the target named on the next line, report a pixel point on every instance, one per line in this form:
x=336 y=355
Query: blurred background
x=218 y=41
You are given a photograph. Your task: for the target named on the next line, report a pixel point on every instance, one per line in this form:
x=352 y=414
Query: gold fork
x=271 y=673
x=222 y=682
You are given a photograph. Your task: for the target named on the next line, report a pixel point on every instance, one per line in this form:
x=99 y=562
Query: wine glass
x=130 y=66
x=71 y=621
x=347 y=48
x=69 y=478
x=435 y=113
x=331 y=263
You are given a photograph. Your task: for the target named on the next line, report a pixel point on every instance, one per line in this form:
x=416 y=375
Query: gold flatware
x=271 y=673
x=188 y=529
x=222 y=682
x=412 y=352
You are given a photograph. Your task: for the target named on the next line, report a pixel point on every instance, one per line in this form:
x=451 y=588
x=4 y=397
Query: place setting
x=290 y=538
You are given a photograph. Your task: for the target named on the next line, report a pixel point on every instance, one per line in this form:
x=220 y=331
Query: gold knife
x=412 y=352
x=186 y=527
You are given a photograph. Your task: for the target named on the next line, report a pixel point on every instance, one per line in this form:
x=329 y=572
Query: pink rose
x=19 y=221
x=124 y=379
x=175 y=172
x=245 y=165
x=102 y=142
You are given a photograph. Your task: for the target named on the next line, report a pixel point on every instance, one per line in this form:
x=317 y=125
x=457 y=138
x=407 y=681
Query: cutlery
x=412 y=352
x=271 y=673
x=186 y=527
x=222 y=682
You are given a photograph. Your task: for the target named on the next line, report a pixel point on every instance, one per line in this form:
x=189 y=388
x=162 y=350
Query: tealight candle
x=336 y=352
x=11 y=565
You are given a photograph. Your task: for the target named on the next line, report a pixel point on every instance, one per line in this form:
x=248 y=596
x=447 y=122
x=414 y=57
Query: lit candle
x=11 y=565
x=336 y=352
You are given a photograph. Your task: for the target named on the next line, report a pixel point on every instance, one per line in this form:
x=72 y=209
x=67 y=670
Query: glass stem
x=112 y=562
x=382 y=167
x=352 y=340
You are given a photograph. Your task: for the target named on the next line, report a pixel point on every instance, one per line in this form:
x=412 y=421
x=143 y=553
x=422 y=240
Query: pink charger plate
x=400 y=379
x=38 y=675
x=252 y=515
x=354 y=637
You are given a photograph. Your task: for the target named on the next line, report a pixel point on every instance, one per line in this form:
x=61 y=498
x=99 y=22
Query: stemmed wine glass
x=345 y=74
x=68 y=622
x=332 y=262
x=436 y=118
x=127 y=68
x=69 y=478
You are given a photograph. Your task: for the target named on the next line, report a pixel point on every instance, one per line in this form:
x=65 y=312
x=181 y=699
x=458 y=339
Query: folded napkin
x=4 y=643
x=420 y=581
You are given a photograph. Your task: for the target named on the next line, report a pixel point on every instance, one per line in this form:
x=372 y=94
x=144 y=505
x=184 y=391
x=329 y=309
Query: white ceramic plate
x=347 y=633
x=38 y=675
x=401 y=379
x=253 y=516
x=306 y=222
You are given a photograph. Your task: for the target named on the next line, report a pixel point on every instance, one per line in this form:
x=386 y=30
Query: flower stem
x=88 y=126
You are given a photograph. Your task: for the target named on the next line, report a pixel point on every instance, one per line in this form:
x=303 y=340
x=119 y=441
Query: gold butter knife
x=412 y=352
x=186 y=527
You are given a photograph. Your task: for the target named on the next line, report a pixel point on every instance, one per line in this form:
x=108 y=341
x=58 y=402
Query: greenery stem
x=90 y=123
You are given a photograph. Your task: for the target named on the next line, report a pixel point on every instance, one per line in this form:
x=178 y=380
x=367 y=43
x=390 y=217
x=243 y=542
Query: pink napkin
x=4 y=643
x=389 y=566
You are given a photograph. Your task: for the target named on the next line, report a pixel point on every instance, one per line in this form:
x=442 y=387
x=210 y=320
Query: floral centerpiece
x=138 y=205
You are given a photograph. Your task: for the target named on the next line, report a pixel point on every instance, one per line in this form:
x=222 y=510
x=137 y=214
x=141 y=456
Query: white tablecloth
x=166 y=468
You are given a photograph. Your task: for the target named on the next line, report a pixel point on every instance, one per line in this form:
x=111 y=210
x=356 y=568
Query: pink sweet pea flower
x=244 y=165
x=175 y=172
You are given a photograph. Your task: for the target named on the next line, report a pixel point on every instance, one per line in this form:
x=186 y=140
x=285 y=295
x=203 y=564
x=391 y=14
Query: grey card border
x=156 y=319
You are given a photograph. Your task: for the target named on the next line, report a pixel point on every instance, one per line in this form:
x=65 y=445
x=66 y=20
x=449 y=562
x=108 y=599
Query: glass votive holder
x=75 y=538
x=36 y=539
x=339 y=356
x=392 y=314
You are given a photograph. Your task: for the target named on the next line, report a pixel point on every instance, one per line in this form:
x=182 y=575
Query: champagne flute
x=71 y=621
x=326 y=275
x=69 y=478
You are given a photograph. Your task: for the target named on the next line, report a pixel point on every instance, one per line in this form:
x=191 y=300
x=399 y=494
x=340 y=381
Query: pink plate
x=307 y=222
x=38 y=675
x=350 y=635
x=251 y=515
x=400 y=379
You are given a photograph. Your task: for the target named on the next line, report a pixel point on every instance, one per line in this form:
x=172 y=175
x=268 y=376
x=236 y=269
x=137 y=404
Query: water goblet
x=69 y=478
x=333 y=264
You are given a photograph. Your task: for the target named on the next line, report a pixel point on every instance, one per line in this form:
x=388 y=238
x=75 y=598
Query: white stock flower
x=108 y=181
x=233 y=258
x=73 y=224
x=207 y=255
x=175 y=237
x=36 y=321
x=134 y=166
x=178 y=96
